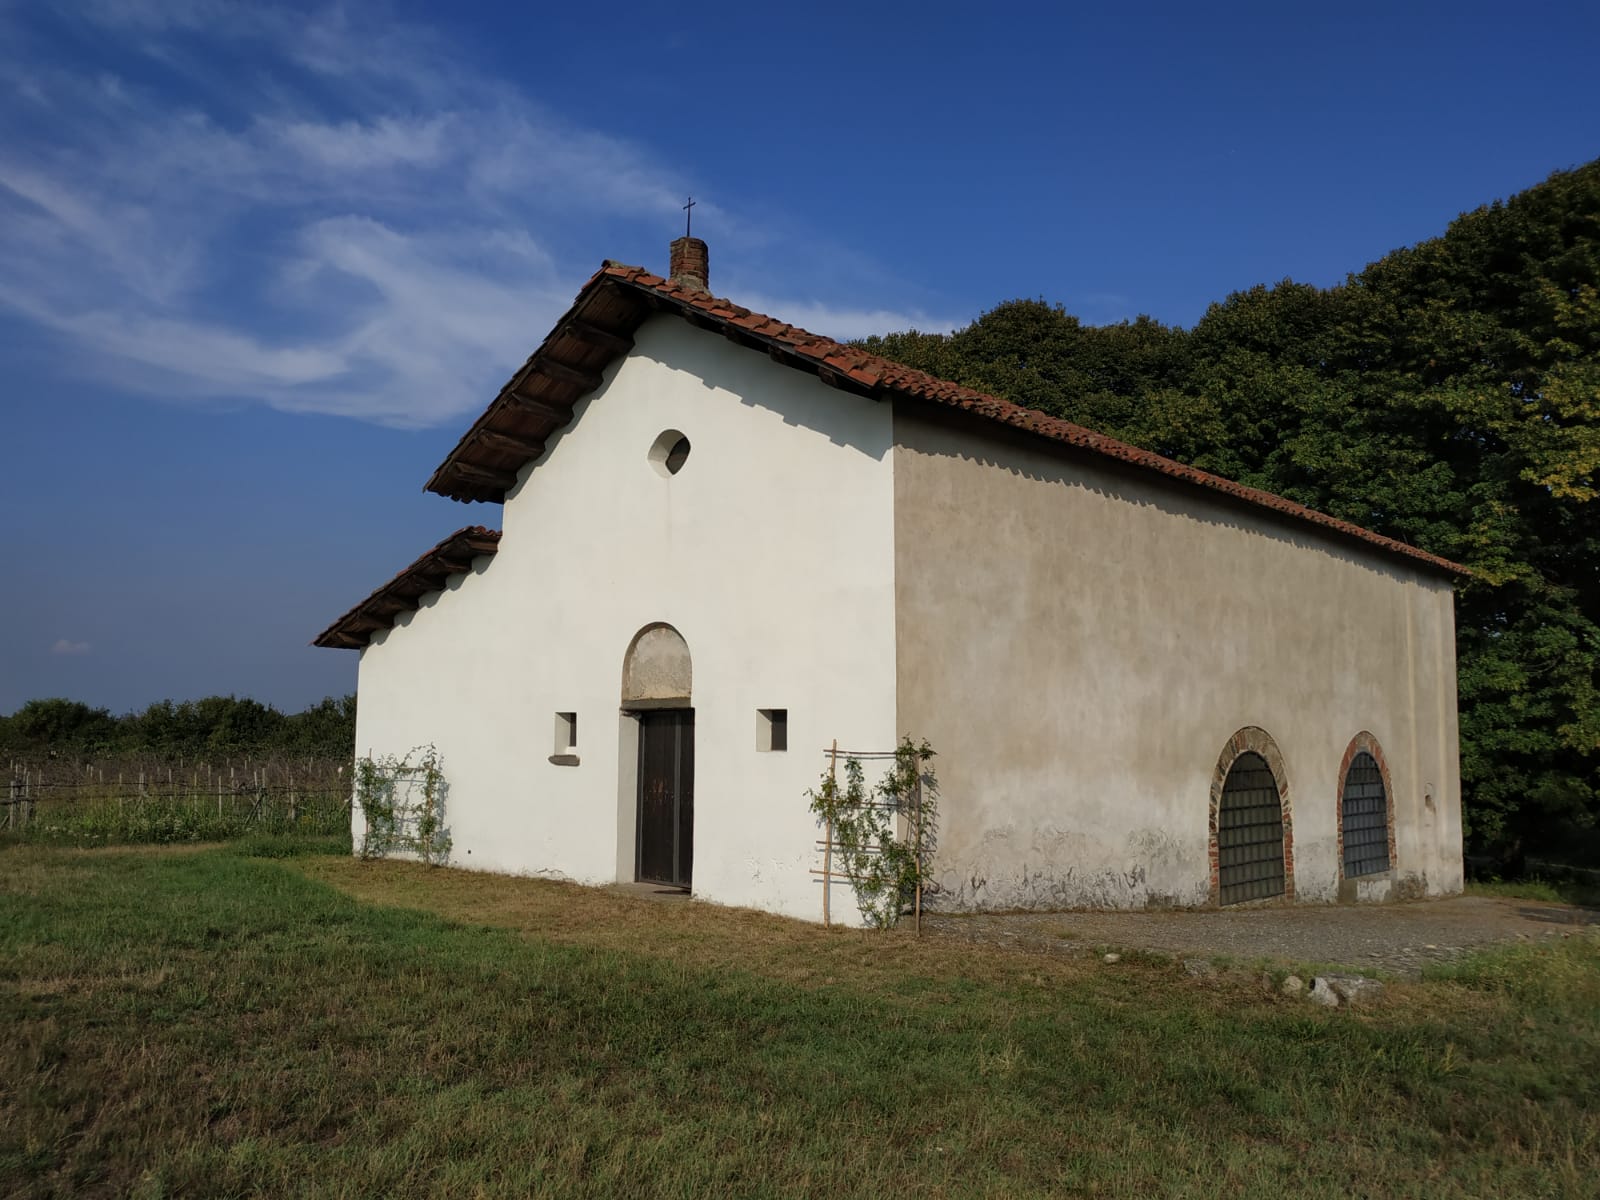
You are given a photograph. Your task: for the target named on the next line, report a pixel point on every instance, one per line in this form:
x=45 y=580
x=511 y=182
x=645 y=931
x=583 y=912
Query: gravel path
x=1397 y=938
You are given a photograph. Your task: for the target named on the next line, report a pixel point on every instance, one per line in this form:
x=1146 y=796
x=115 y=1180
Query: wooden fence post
x=827 y=842
x=917 y=846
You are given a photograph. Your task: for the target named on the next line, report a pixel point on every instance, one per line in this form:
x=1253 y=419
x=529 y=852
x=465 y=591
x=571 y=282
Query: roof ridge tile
x=882 y=374
x=921 y=385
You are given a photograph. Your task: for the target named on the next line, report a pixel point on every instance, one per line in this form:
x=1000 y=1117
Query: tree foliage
x=1448 y=396
x=217 y=727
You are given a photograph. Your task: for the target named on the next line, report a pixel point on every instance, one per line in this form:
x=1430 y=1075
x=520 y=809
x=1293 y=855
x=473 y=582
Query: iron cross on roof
x=688 y=216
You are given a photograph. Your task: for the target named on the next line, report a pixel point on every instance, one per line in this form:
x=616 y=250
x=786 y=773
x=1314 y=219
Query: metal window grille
x=1365 y=813
x=1250 y=833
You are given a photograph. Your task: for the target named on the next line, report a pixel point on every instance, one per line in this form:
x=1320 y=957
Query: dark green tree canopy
x=215 y=727
x=1448 y=396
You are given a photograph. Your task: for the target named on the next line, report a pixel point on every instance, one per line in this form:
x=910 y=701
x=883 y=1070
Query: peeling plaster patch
x=1411 y=886
x=1315 y=886
x=1157 y=848
x=1057 y=869
x=1049 y=888
x=1373 y=891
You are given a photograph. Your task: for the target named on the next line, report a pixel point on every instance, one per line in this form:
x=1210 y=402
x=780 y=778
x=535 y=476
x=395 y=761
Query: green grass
x=211 y=1022
x=1571 y=890
x=172 y=820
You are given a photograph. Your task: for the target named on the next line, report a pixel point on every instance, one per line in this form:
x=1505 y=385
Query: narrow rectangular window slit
x=565 y=753
x=772 y=729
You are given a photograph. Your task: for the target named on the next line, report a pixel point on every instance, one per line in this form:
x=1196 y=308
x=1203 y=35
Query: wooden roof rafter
x=429 y=573
x=538 y=399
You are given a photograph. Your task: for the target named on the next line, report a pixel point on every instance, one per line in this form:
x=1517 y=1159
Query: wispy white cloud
x=842 y=322
x=386 y=142
x=360 y=226
x=381 y=254
x=63 y=646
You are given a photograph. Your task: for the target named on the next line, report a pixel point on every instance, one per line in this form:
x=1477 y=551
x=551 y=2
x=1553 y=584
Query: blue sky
x=259 y=266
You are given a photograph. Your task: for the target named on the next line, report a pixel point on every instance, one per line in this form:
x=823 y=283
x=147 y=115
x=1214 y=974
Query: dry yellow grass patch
x=692 y=933
x=80 y=985
x=689 y=932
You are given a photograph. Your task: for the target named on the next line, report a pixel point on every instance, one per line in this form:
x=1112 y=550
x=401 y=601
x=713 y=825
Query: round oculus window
x=669 y=452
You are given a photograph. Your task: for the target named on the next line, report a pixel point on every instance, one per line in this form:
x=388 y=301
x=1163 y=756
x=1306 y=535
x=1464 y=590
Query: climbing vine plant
x=885 y=836
x=402 y=800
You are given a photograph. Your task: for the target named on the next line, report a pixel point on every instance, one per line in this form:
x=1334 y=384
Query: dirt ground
x=1395 y=938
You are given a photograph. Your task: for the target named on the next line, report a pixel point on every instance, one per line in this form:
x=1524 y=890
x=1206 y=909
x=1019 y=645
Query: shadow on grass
x=220 y=1023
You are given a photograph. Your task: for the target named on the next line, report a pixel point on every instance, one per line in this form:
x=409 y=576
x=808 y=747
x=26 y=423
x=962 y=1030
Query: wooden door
x=665 y=845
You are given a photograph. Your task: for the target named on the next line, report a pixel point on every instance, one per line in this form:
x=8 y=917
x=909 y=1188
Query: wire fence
x=143 y=801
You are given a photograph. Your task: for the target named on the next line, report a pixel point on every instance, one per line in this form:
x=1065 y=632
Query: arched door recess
x=656 y=671
x=657 y=678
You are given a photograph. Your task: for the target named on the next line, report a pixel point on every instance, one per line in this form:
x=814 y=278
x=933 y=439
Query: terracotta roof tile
x=881 y=373
x=403 y=593
x=878 y=376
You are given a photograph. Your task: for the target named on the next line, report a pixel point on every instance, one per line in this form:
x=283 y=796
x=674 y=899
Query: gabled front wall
x=1079 y=643
x=771 y=552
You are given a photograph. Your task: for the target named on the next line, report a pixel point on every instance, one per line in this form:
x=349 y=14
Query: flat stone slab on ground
x=1354 y=990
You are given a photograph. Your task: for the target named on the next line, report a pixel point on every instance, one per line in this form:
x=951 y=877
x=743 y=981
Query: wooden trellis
x=911 y=832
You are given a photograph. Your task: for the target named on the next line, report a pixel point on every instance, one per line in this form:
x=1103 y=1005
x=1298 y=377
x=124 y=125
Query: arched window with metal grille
x=1364 y=817
x=1250 y=862
x=1252 y=821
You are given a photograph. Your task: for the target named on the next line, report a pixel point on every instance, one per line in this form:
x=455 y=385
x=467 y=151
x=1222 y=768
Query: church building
x=728 y=544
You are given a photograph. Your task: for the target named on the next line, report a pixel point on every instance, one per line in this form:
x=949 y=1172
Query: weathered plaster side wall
x=771 y=552
x=1079 y=643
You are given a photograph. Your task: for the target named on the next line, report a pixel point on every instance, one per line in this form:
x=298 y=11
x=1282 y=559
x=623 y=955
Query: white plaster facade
x=1077 y=639
x=772 y=554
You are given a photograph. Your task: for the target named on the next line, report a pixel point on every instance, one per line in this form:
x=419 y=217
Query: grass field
x=226 y=1021
x=1549 y=891
x=111 y=815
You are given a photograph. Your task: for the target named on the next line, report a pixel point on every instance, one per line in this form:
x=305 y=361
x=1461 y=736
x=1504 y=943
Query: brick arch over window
x=1364 y=743
x=1252 y=740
